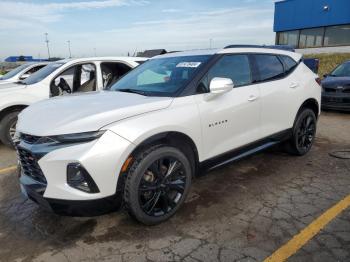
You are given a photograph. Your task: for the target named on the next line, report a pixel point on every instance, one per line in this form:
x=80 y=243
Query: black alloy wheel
x=162 y=186
x=306 y=133
x=157 y=184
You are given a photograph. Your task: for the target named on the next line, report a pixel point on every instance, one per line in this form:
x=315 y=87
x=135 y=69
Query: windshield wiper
x=20 y=82
x=133 y=91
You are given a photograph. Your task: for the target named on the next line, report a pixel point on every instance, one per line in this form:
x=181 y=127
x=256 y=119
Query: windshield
x=342 y=70
x=14 y=72
x=41 y=74
x=161 y=76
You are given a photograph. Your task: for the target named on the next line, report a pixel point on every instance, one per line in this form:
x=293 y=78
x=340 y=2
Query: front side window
x=269 y=67
x=235 y=67
x=78 y=78
x=161 y=76
x=342 y=70
x=42 y=73
x=34 y=69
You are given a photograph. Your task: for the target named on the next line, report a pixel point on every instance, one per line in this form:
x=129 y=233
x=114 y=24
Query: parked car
x=142 y=142
x=21 y=72
x=58 y=78
x=336 y=88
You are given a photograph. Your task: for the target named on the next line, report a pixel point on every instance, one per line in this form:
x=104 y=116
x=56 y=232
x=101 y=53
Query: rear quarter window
x=269 y=67
x=289 y=64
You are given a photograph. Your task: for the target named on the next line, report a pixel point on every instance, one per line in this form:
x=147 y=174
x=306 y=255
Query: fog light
x=79 y=178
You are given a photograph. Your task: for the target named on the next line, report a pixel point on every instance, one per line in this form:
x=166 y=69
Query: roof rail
x=280 y=47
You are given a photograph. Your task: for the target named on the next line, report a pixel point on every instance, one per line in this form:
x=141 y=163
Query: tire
x=151 y=194
x=304 y=131
x=6 y=128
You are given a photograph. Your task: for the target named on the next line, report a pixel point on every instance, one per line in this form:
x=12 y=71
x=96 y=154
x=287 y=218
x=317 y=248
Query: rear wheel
x=8 y=128
x=304 y=132
x=157 y=184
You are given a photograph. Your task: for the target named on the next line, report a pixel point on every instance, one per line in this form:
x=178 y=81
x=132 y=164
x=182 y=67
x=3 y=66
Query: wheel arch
x=312 y=104
x=10 y=109
x=173 y=138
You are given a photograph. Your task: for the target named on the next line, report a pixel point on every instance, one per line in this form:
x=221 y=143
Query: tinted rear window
x=269 y=67
x=289 y=63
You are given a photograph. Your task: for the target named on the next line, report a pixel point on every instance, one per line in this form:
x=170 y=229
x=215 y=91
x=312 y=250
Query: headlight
x=62 y=139
x=78 y=137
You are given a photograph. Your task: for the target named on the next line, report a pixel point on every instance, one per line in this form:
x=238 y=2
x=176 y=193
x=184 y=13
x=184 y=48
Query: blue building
x=312 y=23
x=23 y=58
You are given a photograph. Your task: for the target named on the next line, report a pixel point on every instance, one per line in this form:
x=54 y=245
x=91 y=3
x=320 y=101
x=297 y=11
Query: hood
x=85 y=112
x=6 y=87
x=10 y=87
x=4 y=81
x=332 y=81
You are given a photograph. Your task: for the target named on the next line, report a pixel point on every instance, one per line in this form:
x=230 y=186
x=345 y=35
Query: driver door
x=232 y=119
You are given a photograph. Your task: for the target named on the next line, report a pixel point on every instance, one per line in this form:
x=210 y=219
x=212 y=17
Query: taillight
x=318 y=80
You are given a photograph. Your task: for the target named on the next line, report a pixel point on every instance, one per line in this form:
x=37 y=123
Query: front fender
x=182 y=117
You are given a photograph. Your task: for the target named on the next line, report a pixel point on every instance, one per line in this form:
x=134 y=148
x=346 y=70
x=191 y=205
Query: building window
x=316 y=37
x=337 y=35
x=311 y=37
x=288 y=38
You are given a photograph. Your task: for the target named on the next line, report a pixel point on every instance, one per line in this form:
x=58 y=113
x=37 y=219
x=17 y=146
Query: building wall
x=298 y=14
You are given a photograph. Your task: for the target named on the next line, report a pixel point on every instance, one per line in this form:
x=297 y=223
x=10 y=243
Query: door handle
x=252 y=98
x=294 y=85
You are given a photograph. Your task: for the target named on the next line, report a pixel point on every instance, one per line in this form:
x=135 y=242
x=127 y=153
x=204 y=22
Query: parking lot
x=243 y=212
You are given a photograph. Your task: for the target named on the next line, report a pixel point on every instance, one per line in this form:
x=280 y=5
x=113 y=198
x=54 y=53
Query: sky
x=119 y=27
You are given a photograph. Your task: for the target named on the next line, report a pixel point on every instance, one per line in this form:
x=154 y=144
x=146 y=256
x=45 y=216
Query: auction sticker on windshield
x=188 y=64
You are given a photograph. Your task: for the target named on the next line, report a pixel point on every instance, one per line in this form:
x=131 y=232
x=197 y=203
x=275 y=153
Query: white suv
x=57 y=78
x=142 y=142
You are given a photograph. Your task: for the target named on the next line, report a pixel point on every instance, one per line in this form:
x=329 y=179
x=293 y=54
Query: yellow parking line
x=7 y=170
x=298 y=241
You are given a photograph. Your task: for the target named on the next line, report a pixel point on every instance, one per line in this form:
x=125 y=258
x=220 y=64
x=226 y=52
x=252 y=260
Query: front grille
x=329 y=90
x=29 y=138
x=30 y=165
x=346 y=90
x=336 y=89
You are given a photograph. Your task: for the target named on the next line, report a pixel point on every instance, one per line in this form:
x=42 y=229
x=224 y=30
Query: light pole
x=95 y=51
x=47 y=44
x=70 y=53
x=210 y=42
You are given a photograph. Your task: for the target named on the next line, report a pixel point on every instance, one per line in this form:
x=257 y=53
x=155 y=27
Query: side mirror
x=325 y=75
x=24 y=76
x=220 y=85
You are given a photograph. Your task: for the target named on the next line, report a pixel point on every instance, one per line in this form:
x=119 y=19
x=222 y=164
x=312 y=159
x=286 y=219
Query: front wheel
x=304 y=132
x=157 y=184
x=8 y=128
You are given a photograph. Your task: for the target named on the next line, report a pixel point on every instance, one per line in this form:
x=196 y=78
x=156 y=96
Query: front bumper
x=34 y=191
x=336 y=101
x=102 y=158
